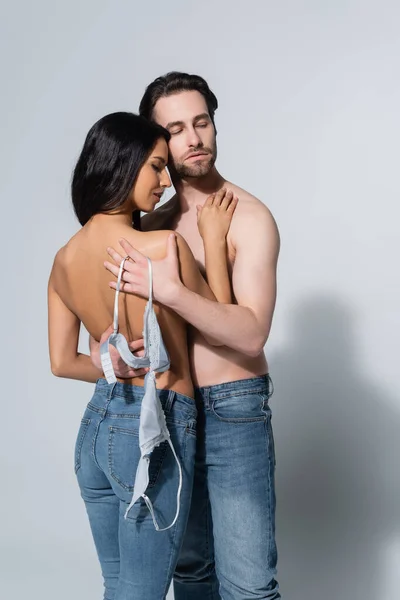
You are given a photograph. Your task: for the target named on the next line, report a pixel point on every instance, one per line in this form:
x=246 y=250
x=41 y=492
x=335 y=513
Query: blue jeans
x=229 y=548
x=136 y=560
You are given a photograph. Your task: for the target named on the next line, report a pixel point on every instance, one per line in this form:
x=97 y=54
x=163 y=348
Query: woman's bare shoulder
x=64 y=254
x=149 y=243
x=57 y=268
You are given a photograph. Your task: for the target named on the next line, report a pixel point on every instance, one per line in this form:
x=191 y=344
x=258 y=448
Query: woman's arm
x=63 y=326
x=214 y=220
x=191 y=277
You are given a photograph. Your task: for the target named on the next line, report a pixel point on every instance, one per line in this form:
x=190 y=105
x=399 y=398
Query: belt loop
x=206 y=396
x=169 y=401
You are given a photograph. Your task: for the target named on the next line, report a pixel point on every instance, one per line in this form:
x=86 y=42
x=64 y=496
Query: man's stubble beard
x=199 y=169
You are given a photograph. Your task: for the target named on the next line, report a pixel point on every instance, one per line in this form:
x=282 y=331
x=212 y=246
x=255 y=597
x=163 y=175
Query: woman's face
x=153 y=178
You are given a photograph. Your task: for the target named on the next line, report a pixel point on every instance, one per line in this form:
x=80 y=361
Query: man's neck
x=195 y=190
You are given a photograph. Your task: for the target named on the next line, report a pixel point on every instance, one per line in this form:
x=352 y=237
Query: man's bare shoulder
x=250 y=212
x=163 y=217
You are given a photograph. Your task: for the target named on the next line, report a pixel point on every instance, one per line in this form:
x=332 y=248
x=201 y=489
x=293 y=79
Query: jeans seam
x=268 y=431
x=170 y=573
x=85 y=423
x=96 y=431
x=103 y=416
x=211 y=566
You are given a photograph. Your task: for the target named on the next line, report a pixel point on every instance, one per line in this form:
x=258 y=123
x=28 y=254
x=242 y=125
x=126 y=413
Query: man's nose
x=193 y=139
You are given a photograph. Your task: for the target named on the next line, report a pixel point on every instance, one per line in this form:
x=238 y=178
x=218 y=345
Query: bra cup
x=145 y=332
x=157 y=352
x=121 y=344
x=163 y=357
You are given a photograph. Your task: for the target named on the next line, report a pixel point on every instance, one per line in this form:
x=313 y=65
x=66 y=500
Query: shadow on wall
x=337 y=440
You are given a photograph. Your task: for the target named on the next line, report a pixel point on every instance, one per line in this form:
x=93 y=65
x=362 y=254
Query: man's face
x=193 y=148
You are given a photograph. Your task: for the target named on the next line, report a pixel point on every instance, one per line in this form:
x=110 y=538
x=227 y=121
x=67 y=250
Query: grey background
x=309 y=122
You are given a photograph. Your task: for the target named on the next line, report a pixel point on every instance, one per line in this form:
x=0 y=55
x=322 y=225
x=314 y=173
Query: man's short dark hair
x=173 y=83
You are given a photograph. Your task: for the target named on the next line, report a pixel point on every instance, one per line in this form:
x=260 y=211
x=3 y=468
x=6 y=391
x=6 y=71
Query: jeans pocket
x=124 y=455
x=243 y=408
x=79 y=442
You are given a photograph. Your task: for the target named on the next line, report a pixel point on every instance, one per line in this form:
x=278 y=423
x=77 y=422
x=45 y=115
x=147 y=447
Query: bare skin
x=78 y=291
x=253 y=246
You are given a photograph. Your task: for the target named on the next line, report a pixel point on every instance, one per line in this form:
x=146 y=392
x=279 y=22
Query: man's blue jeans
x=229 y=548
x=137 y=561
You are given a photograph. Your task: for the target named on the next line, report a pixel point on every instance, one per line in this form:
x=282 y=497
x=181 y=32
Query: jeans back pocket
x=124 y=455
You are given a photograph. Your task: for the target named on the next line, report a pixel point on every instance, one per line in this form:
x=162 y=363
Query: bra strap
x=150 y=265
x=121 y=269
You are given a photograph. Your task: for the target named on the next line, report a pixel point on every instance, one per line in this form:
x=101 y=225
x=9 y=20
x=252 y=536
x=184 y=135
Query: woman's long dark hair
x=113 y=153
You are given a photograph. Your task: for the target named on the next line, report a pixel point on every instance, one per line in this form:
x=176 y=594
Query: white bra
x=152 y=427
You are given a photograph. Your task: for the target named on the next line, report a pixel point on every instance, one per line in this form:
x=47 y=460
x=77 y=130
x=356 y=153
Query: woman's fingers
x=219 y=196
x=127 y=373
x=233 y=204
x=226 y=200
x=210 y=200
x=221 y=199
x=136 y=345
x=137 y=372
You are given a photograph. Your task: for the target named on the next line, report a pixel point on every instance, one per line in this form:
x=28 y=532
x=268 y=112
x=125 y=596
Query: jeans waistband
x=120 y=390
x=260 y=384
x=121 y=395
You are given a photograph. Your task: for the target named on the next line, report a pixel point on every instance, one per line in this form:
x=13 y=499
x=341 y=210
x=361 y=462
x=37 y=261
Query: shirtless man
x=229 y=550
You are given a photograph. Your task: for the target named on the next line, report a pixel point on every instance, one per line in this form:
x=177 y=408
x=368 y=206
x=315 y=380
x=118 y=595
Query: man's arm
x=243 y=327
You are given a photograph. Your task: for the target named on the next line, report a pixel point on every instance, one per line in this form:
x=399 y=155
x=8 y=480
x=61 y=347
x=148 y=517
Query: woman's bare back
x=81 y=281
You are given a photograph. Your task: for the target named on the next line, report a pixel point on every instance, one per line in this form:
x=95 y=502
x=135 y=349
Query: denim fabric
x=136 y=560
x=229 y=549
